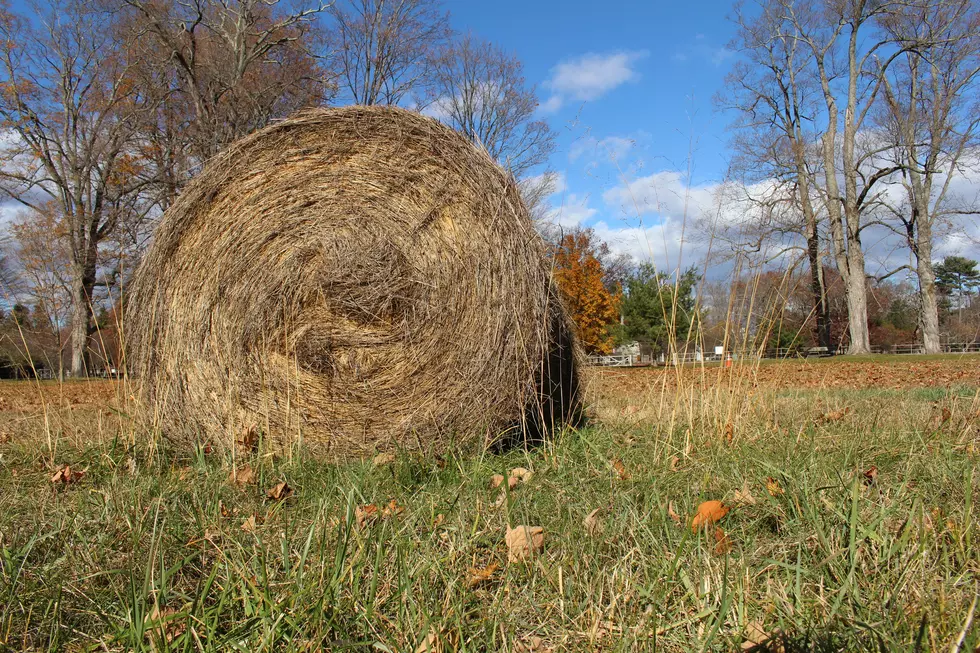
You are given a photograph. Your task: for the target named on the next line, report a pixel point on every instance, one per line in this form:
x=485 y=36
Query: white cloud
x=590 y=76
x=662 y=193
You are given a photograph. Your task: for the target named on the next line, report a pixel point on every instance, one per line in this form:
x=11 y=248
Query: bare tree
x=382 y=48
x=69 y=101
x=773 y=92
x=932 y=117
x=850 y=55
x=480 y=90
x=225 y=68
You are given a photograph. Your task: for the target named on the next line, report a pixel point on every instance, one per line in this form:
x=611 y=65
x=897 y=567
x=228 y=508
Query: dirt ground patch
x=28 y=397
x=901 y=374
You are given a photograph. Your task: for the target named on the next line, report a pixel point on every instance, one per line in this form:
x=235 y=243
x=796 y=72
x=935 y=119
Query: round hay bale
x=362 y=278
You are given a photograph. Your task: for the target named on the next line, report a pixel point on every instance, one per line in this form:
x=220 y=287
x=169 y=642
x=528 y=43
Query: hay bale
x=363 y=278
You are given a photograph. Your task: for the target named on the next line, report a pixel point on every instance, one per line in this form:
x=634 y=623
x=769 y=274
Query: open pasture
x=848 y=488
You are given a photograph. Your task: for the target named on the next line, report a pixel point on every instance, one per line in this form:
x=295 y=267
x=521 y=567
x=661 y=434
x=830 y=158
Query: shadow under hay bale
x=363 y=279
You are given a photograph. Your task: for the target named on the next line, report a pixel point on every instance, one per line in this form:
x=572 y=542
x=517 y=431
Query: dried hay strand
x=365 y=279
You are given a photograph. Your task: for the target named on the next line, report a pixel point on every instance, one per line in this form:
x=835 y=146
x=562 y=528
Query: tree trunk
x=83 y=283
x=818 y=292
x=857 y=303
x=928 y=304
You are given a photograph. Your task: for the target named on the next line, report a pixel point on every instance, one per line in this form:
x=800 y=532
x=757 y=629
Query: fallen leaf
x=773 y=487
x=366 y=515
x=729 y=433
x=523 y=542
x=224 y=509
x=383 y=459
x=722 y=542
x=947 y=414
x=496 y=480
x=392 y=509
x=744 y=496
x=249 y=524
x=437 y=522
x=757 y=639
x=532 y=644
x=279 y=492
x=593 y=523
x=163 y=626
x=242 y=476
x=66 y=475
x=674 y=463
x=519 y=475
x=621 y=472
x=477 y=576
x=871 y=475
x=673 y=513
x=630 y=410
x=430 y=644
x=708 y=513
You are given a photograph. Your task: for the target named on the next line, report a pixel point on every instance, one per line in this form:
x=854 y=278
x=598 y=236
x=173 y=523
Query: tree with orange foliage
x=584 y=282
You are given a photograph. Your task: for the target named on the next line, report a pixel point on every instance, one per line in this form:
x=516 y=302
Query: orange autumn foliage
x=580 y=276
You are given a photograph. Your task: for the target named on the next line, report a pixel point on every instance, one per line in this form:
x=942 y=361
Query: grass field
x=850 y=486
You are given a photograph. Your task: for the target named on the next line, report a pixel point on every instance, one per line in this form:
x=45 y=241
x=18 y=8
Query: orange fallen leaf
x=673 y=513
x=496 y=480
x=729 y=433
x=437 y=522
x=621 y=471
x=708 y=513
x=477 y=576
x=392 y=509
x=279 y=491
x=366 y=515
x=523 y=542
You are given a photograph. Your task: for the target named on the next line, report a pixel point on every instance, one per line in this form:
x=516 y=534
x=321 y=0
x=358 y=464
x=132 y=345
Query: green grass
x=833 y=563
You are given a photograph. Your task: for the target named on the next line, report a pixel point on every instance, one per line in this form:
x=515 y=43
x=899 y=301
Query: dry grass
x=363 y=279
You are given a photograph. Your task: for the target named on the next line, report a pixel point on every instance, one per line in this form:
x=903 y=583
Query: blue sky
x=628 y=86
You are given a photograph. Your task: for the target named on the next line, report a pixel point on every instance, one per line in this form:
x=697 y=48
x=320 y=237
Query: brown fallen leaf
x=722 y=542
x=674 y=463
x=392 y=509
x=66 y=475
x=630 y=410
x=532 y=644
x=249 y=524
x=224 y=509
x=383 y=459
x=729 y=433
x=758 y=640
x=744 y=496
x=673 y=513
x=708 y=513
x=477 y=576
x=163 y=627
x=366 y=515
x=593 y=523
x=947 y=414
x=871 y=475
x=773 y=487
x=523 y=542
x=242 y=476
x=621 y=472
x=496 y=480
x=437 y=522
x=279 y=491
